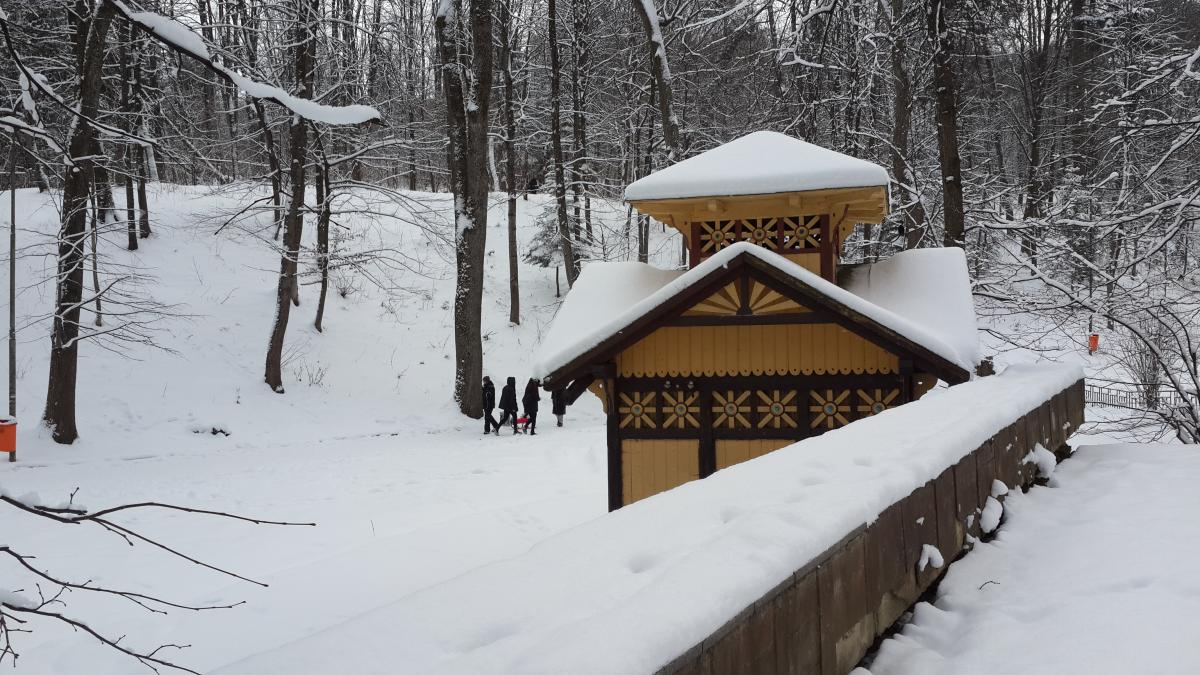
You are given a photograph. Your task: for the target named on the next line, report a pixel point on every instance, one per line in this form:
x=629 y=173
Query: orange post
x=8 y=436
x=1093 y=343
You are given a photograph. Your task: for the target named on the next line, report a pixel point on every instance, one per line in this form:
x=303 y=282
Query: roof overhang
x=850 y=205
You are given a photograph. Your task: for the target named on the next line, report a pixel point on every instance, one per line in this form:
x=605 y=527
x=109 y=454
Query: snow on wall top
x=929 y=286
x=618 y=594
x=763 y=162
x=608 y=297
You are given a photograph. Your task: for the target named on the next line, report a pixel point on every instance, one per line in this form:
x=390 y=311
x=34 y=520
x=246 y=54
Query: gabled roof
x=764 y=162
x=611 y=304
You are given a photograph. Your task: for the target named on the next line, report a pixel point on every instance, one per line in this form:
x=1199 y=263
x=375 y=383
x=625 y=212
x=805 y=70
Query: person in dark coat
x=558 y=404
x=489 y=404
x=508 y=404
x=530 y=402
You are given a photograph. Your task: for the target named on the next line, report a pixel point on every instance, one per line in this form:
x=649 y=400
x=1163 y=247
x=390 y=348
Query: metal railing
x=1134 y=396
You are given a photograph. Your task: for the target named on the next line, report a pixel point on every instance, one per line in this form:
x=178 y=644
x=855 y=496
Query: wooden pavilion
x=756 y=345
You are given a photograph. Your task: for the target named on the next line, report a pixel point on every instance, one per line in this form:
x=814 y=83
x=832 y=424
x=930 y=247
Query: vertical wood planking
x=966 y=489
x=950 y=530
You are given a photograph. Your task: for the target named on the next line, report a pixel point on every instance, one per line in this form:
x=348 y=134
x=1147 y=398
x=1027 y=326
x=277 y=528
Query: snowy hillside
x=366 y=442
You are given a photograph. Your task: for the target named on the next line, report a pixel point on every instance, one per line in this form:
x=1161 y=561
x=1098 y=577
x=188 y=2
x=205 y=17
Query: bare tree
x=565 y=231
x=465 y=45
x=36 y=596
x=304 y=46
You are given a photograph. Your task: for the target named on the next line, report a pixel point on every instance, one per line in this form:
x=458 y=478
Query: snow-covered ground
x=367 y=443
x=406 y=494
x=1094 y=575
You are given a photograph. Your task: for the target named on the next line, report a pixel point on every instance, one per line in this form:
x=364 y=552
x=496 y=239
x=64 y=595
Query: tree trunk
x=946 y=98
x=510 y=159
x=565 y=234
x=96 y=222
x=306 y=30
x=323 y=216
x=59 y=414
x=143 y=205
x=273 y=164
x=139 y=150
x=662 y=74
x=466 y=85
x=127 y=106
x=912 y=219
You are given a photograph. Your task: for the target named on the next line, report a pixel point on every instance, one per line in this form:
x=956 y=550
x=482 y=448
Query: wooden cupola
x=791 y=197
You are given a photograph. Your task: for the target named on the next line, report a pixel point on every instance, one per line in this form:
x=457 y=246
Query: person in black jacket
x=489 y=404
x=508 y=404
x=530 y=402
x=558 y=404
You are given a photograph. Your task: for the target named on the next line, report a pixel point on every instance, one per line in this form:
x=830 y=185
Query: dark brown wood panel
x=847 y=627
x=950 y=529
x=920 y=528
x=891 y=583
x=986 y=470
x=798 y=627
x=966 y=487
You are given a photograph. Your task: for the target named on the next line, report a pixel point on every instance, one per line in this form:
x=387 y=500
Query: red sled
x=522 y=420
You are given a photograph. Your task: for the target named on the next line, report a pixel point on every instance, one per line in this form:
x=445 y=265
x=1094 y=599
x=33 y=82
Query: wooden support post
x=616 y=497
x=827 y=244
x=708 y=444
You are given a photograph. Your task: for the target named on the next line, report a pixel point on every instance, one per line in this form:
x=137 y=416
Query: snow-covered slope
x=383 y=364
x=366 y=442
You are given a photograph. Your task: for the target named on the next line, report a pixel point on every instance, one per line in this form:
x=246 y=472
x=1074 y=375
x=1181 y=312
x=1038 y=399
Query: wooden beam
x=762 y=205
x=616 y=477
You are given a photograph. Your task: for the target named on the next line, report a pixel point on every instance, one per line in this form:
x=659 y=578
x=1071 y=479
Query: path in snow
x=1093 y=575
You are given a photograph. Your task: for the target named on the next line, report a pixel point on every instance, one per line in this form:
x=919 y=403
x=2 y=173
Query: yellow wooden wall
x=730 y=452
x=809 y=261
x=804 y=349
x=650 y=466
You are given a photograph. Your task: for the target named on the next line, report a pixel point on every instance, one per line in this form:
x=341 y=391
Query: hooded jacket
x=531 y=397
x=508 y=395
x=489 y=394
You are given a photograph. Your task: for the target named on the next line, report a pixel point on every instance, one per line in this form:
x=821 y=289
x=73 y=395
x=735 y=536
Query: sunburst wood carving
x=764 y=300
x=802 y=232
x=776 y=409
x=723 y=302
x=761 y=231
x=875 y=401
x=681 y=410
x=730 y=409
x=829 y=408
x=717 y=234
x=637 y=410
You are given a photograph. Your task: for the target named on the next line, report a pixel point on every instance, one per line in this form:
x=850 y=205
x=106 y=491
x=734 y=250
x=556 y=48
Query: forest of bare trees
x=1055 y=140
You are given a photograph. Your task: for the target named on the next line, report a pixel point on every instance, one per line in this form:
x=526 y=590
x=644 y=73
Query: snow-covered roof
x=930 y=287
x=763 y=162
x=608 y=298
